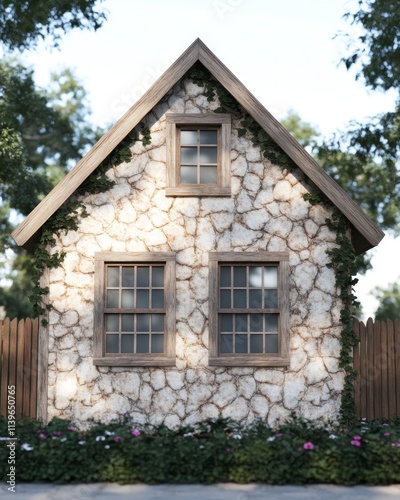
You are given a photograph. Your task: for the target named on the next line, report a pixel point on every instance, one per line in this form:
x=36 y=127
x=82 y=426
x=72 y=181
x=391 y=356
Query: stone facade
x=265 y=212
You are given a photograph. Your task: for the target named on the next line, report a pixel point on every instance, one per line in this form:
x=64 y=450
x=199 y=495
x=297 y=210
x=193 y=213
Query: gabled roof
x=365 y=233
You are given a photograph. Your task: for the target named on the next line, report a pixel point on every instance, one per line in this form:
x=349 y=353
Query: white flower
x=237 y=436
x=81 y=442
x=107 y=446
x=188 y=434
x=108 y=433
x=332 y=436
x=63 y=439
x=271 y=438
x=100 y=438
x=26 y=447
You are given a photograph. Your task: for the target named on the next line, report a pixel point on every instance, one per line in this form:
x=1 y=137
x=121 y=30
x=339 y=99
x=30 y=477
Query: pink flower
x=396 y=444
x=136 y=433
x=385 y=425
x=57 y=433
x=279 y=435
x=228 y=450
x=42 y=436
x=357 y=438
x=355 y=443
x=308 y=446
x=71 y=428
x=386 y=434
x=117 y=439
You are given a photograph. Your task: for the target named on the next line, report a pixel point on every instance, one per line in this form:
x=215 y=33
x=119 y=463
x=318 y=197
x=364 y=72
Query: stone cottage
x=198 y=285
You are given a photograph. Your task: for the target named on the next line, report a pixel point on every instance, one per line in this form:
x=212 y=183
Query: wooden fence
x=377 y=361
x=18 y=365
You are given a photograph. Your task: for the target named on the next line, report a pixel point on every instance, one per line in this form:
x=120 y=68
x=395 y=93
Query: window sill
x=248 y=361
x=134 y=361
x=198 y=190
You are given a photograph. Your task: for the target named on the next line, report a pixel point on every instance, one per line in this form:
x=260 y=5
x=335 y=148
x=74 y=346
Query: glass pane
x=256 y=343
x=241 y=322
x=188 y=155
x=157 y=276
x=255 y=299
x=207 y=155
x=112 y=276
x=271 y=322
x=112 y=323
x=112 y=343
x=142 y=299
x=127 y=299
x=271 y=343
x=188 y=137
x=225 y=276
x=255 y=277
x=226 y=344
x=143 y=277
x=208 y=175
x=157 y=298
x=128 y=274
x=256 y=323
x=143 y=322
x=157 y=343
x=225 y=299
x=271 y=277
x=142 y=343
x=112 y=298
x=270 y=299
x=240 y=344
x=226 y=322
x=239 y=298
x=208 y=137
x=188 y=175
x=127 y=323
x=157 y=322
x=127 y=343
x=239 y=276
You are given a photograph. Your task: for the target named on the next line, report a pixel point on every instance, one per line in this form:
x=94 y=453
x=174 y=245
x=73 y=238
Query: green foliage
x=24 y=22
x=302 y=131
x=389 y=298
x=298 y=452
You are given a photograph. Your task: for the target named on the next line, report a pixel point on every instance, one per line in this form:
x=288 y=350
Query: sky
x=286 y=52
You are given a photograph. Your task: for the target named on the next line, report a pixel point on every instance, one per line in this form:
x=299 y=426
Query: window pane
x=157 y=322
x=239 y=276
x=256 y=323
x=142 y=299
x=208 y=175
x=112 y=298
x=127 y=343
x=142 y=343
x=127 y=299
x=226 y=344
x=157 y=276
x=143 y=277
x=188 y=137
x=271 y=343
x=255 y=277
x=112 y=322
x=239 y=298
x=112 y=276
x=208 y=137
x=271 y=277
x=112 y=343
x=270 y=299
x=271 y=322
x=127 y=323
x=241 y=322
x=255 y=299
x=241 y=343
x=256 y=343
x=226 y=322
x=143 y=322
x=188 y=175
x=188 y=155
x=128 y=276
x=207 y=155
x=225 y=299
x=225 y=276
x=157 y=298
x=157 y=343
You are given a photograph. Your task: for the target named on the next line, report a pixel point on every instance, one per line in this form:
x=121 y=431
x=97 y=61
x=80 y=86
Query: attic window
x=198 y=155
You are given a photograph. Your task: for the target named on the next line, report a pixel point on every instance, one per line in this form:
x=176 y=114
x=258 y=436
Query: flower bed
x=298 y=452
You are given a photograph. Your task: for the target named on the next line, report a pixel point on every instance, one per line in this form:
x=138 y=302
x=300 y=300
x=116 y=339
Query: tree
x=24 y=22
x=389 y=298
x=302 y=131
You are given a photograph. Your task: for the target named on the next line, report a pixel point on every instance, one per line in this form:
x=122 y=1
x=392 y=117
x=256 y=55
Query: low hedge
x=299 y=452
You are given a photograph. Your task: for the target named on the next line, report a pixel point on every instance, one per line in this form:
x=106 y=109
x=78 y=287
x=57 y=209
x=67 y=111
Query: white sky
x=284 y=51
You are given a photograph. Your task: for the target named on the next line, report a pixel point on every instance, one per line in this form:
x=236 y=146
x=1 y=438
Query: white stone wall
x=266 y=212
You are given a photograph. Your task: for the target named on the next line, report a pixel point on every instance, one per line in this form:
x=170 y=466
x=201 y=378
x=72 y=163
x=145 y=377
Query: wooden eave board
x=198 y=52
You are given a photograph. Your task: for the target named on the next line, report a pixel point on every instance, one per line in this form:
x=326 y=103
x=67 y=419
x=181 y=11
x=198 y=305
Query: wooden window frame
x=281 y=259
x=102 y=259
x=176 y=121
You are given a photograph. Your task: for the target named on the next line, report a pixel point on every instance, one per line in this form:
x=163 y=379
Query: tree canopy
x=389 y=302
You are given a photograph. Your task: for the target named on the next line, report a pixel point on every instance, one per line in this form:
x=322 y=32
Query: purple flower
x=57 y=433
x=308 y=446
x=136 y=433
x=117 y=439
x=42 y=436
x=396 y=444
x=386 y=434
x=357 y=438
x=355 y=443
x=228 y=450
x=385 y=425
x=71 y=428
x=279 y=435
